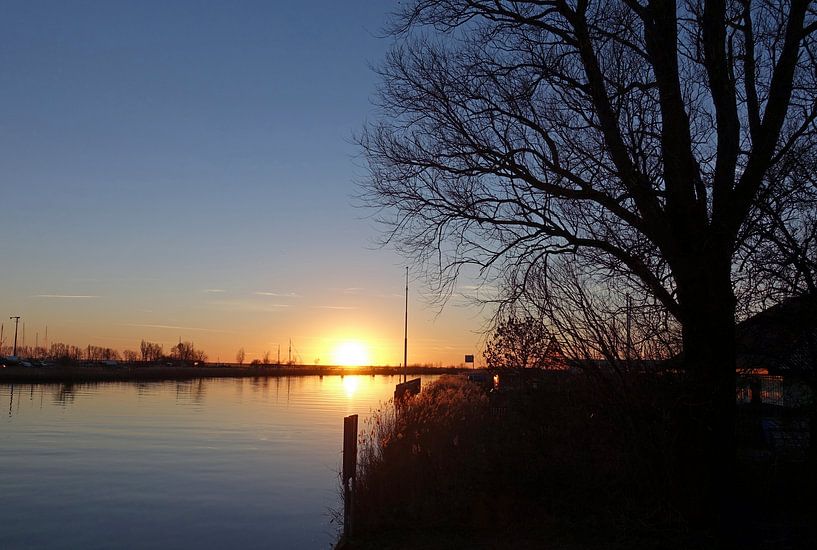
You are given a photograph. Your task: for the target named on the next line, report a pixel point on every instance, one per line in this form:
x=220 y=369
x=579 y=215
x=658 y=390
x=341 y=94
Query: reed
x=553 y=462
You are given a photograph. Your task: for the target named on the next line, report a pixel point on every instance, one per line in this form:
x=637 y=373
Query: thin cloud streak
x=334 y=307
x=174 y=327
x=114 y=279
x=247 y=306
x=278 y=294
x=65 y=296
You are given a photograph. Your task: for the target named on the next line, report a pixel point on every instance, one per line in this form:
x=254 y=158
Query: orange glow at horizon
x=351 y=354
x=346 y=338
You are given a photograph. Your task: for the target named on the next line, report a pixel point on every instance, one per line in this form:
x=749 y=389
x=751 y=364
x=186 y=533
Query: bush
x=554 y=457
x=418 y=463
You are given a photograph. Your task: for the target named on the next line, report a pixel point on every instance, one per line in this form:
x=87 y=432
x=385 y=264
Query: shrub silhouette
x=411 y=459
x=559 y=457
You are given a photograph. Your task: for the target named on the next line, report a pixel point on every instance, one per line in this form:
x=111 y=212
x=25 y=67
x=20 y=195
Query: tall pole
x=405 y=335
x=16 y=320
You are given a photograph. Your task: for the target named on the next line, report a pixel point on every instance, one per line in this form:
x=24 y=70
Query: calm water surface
x=247 y=463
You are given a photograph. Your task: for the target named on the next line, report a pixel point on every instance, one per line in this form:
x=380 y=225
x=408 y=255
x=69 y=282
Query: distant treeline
x=149 y=352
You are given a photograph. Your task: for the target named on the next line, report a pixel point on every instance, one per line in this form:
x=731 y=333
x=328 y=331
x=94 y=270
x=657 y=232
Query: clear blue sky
x=185 y=169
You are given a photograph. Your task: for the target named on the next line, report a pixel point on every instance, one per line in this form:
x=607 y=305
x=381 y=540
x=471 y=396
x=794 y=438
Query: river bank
x=124 y=373
x=552 y=461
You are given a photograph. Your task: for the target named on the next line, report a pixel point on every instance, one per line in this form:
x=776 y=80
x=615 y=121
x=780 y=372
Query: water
x=243 y=463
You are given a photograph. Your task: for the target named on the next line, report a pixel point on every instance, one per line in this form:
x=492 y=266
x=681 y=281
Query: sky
x=186 y=170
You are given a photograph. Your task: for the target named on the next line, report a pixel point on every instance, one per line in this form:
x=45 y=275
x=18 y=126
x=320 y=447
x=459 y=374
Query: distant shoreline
x=76 y=374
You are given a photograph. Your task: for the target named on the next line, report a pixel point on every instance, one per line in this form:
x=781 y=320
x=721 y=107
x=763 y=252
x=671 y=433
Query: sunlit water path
x=242 y=463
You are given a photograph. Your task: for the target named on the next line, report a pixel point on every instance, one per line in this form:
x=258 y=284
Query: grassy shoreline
x=558 y=464
x=63 y=374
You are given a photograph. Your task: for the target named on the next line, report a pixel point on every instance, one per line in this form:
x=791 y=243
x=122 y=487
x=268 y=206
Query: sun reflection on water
x=350 y=385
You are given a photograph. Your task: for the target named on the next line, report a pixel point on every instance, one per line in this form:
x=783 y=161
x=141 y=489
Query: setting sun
x=351 y=354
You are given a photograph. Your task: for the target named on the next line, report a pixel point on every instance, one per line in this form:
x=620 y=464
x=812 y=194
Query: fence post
x=405 y=390
x=349 y=470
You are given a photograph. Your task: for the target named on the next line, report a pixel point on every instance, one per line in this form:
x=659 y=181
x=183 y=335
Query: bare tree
x=58 y=350
x=99 y=353
x=522 y=343
x=150 y=351
x=591 y=317
x=778 y=259
x=74 y=353
x=187 y=352
x=239 y=356
x=642 y=139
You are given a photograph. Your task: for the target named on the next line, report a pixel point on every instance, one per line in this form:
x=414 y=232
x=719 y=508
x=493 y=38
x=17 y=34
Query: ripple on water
x=187 y=464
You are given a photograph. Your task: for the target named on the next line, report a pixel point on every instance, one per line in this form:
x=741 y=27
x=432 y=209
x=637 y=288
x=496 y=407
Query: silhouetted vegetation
x=523 y=343
x=663 y=150
x=555 y=459
x=151 y=351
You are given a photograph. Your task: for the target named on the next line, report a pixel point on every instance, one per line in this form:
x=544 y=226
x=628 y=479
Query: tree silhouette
x=150 y=351
x=522 y=344
x=186 y=352
x=649 y=143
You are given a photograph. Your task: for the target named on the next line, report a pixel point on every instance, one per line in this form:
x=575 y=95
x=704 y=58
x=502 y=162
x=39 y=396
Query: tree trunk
x=708 y=409
x=812 y=449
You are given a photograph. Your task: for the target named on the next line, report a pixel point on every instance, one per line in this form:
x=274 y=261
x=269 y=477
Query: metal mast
x=405 y=335
x=16 y=320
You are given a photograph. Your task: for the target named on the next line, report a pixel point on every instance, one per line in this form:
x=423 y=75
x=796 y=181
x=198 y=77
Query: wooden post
x=349 y=470
x=405 y=390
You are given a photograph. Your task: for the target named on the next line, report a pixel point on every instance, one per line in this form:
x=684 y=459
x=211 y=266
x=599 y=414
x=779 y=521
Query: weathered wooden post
x=405 y=390
x=349 y=470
